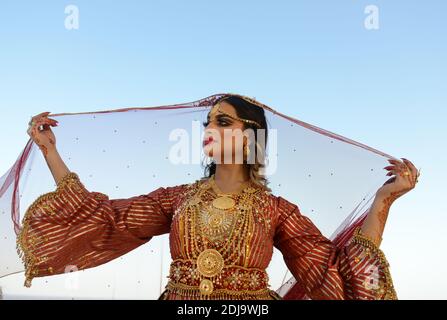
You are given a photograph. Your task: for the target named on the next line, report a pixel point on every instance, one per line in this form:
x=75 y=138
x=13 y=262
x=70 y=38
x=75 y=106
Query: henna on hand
x=382 y=214
x=44 y=150
x=405 y=179
x=34 y=134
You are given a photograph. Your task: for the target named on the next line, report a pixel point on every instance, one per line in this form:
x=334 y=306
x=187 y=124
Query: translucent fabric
x=132 y=151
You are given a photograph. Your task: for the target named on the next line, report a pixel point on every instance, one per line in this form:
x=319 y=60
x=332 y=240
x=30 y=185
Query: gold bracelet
x=386 y=290
x=359 y=234
x=66 y=179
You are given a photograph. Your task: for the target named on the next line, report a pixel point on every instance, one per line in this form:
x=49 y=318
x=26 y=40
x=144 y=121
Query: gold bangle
x=359 y=234
x=386 y=290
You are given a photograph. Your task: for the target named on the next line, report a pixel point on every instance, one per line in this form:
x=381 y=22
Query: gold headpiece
x=248 y=99
x=251 y=100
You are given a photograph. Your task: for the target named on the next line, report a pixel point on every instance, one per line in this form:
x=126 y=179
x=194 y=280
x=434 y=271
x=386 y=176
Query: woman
x=222 y=228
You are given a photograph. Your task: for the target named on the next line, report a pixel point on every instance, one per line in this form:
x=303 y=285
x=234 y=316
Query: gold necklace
x=229 y=225
x=233 y=248
x=215 y=187
x=224 y=201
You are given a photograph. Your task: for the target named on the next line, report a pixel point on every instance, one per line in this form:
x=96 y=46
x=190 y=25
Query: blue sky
x=313 y=60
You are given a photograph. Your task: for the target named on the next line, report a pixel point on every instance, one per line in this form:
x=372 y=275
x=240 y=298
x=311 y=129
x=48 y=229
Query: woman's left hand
x=404 y=178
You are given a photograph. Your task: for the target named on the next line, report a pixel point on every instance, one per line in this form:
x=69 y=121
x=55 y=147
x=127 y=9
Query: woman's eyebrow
x=219 y=116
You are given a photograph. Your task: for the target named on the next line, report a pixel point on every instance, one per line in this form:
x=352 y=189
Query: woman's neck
x=230 y=177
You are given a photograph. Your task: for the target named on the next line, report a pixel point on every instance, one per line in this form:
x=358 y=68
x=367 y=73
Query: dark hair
x=247 y=110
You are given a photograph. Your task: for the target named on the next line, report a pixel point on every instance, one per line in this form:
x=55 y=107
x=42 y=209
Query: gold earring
x=246 y=151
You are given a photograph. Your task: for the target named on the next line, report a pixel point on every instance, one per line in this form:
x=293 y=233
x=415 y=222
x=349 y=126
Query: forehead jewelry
x=216 y=109
x=252 y=101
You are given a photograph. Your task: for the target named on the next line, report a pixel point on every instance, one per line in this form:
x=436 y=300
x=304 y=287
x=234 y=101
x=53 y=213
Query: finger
x=410 y=172
x=393 y=173
x=47 y=121
x=410 y=166
x=39 y=123
x=44 y=117
x=34 y=132
x=41 y=115
x=401 y=165
x=53 y=120
x=398 y=172
x=52 y=123
x=406 y=160
x=46 y=127
x=394 y=161
x=390 y=180
x=395 y=169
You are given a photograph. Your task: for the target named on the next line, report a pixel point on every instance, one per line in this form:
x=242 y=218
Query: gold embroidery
x=206 y=287
x=385 y=289
x=217 y=229
x=26 y=244
x=193 y=292
x=233 y=282
x=210 y=263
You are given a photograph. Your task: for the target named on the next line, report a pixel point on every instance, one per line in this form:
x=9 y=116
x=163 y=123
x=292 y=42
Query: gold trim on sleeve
x=25 y=243
x=386 y=289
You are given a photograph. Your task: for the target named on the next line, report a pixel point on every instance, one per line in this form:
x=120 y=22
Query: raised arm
x=404 y=178
x=73 y=226
x=43 y=136
x=359 y=270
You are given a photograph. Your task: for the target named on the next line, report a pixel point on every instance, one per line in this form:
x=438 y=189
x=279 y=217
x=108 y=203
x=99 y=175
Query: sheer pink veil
x=132 y=151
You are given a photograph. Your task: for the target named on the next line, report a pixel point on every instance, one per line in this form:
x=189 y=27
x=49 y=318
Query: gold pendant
x=216 y=220
x=210 y=263
x=206 y=287
x=216 y=224
x=224 y=203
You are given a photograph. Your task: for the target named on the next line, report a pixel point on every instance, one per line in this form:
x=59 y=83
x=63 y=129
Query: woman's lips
x=207 y=141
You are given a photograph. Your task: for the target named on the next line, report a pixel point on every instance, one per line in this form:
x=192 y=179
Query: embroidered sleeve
x=359 y=270
x=77 y=228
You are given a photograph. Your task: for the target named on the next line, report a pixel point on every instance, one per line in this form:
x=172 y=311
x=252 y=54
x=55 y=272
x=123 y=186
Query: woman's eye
x=222 y=123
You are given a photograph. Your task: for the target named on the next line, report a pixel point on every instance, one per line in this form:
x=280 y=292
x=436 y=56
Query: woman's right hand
x=40 y=132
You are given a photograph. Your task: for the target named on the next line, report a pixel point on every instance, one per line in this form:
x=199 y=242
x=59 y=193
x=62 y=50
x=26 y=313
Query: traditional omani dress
x=220 y=243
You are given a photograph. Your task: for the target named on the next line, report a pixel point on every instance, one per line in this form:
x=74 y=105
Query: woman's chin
x=208 y=151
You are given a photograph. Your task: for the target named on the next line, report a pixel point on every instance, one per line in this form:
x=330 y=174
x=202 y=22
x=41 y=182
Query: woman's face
x=223 y=138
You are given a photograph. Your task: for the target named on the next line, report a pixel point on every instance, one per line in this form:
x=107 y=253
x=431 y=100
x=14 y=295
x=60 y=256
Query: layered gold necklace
x=219 y=218
x=221 y=231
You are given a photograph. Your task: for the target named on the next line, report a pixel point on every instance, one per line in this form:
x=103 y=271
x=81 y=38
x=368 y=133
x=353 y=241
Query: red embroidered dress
x=221 y=244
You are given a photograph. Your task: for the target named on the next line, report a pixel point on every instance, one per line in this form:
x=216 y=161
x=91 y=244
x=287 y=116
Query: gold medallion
x=206 y=286
x=224 y=203
x=216 y=220
x=210 y=263
x=216 y=224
